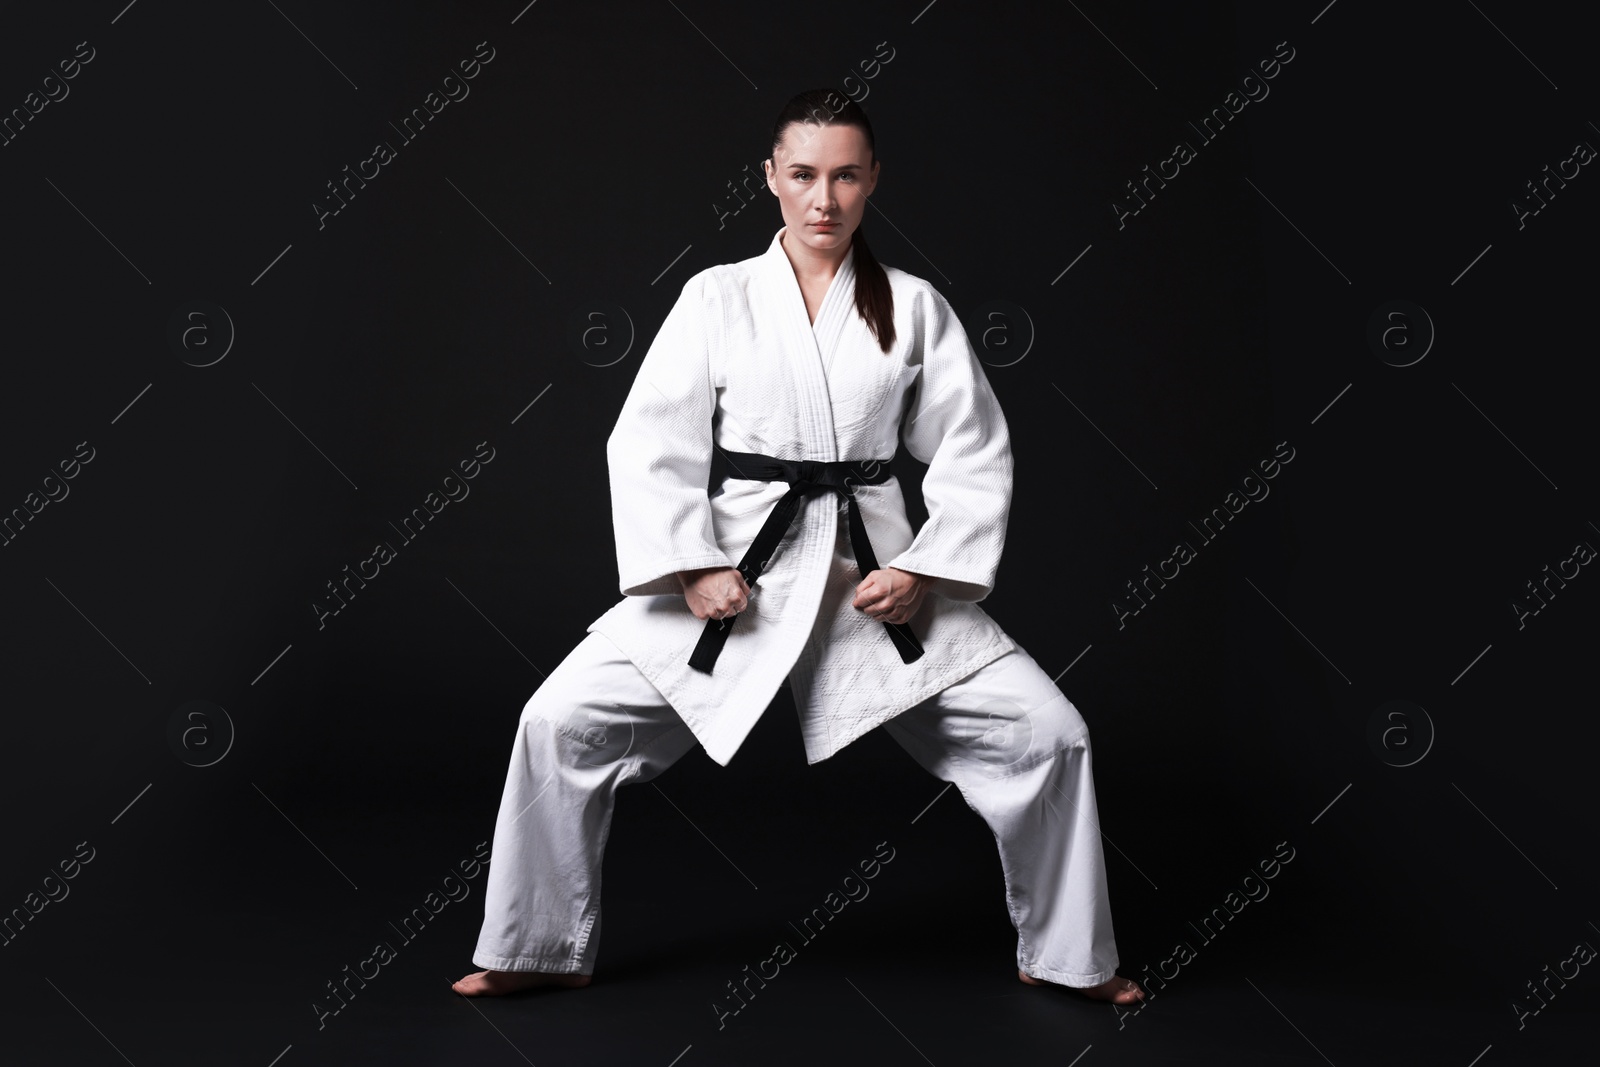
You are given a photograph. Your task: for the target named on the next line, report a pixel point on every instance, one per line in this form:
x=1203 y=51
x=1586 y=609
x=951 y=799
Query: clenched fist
x=715 y=592
x=891 y=594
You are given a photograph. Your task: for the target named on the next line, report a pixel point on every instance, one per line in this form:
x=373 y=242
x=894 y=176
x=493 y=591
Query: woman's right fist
x=715 y=592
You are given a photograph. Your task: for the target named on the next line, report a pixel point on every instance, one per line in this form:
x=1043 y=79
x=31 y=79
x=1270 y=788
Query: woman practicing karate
x=753 y=501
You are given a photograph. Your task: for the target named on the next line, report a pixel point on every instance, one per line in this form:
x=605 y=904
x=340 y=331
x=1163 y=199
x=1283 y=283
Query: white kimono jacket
x=738 y=365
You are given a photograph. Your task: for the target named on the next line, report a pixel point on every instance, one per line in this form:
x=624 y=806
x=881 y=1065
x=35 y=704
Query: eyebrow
x=810 y=166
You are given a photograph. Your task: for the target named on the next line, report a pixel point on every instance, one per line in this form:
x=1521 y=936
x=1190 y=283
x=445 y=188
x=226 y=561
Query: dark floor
x=167 y=953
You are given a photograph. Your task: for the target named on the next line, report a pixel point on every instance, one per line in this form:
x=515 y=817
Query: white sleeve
x=659 y=454
x=953 y=423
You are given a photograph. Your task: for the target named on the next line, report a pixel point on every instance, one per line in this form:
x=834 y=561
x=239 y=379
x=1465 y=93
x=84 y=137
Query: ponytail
x=874 y=297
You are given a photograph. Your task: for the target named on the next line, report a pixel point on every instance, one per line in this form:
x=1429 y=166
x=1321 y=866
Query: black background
x=364 y=759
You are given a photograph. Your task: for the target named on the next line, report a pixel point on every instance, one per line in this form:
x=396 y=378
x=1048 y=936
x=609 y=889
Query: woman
x=752 y=497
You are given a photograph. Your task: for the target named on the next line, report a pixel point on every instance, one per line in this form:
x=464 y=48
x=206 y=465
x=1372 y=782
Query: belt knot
x=805 y=477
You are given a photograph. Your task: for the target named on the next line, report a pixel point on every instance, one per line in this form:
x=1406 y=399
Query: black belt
x=805 y=478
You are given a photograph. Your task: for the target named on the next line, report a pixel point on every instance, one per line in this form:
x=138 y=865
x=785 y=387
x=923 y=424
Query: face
x=822 y=174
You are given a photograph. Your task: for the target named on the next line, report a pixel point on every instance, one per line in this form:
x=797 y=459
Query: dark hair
x=824 y=107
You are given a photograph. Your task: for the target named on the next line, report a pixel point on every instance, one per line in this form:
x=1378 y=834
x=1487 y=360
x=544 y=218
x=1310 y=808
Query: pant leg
x=595 y=724
x=1018 y=751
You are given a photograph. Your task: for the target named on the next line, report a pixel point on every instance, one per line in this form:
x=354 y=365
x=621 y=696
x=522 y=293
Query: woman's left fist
x=891 y=594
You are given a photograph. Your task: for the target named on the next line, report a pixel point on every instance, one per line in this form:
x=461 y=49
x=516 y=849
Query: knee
x=1038 y=736
x=583 y=734
x=1060 y=725
x=1005 y=739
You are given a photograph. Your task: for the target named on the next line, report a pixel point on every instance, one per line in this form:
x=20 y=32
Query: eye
x=801 y=175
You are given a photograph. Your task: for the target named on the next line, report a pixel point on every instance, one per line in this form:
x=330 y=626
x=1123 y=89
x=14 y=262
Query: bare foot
x=1116 y=989
x=495 y=983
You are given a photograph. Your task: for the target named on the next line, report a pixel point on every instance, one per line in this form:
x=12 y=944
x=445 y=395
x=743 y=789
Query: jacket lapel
x=809 y=349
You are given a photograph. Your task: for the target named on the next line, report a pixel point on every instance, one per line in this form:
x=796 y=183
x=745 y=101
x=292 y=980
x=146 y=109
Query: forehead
x=824 y=145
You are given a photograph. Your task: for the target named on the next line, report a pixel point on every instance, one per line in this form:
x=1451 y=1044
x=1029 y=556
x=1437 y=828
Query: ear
x=772 y=175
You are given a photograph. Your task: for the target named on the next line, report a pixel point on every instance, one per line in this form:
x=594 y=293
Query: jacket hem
x=990 y=652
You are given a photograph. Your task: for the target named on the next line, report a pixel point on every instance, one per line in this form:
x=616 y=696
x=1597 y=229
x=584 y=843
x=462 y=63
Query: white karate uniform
x=737 y=365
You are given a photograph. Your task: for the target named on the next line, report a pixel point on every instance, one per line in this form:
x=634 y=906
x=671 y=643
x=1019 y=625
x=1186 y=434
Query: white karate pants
x=1013 y=745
